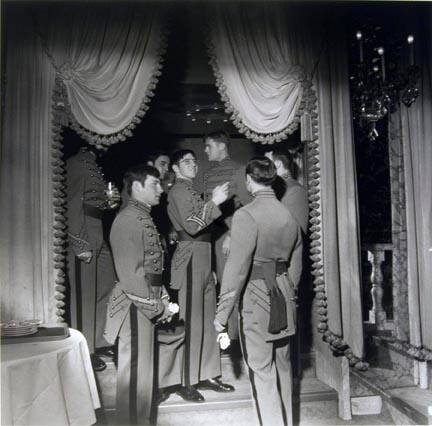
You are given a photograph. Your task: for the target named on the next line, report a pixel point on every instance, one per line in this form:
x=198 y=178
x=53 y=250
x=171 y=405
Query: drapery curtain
x=108 y=59
x=262 y=55
x=26 y=257
x=260 y=59
x=340 y=223
x=417 y=144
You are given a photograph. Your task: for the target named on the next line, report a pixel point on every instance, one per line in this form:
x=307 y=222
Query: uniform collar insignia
x=264 y=193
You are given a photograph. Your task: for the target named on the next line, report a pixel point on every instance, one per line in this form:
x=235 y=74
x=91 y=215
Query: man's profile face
x=162 y=163
x=187 y=167
x=150 y=192
x=214 y=149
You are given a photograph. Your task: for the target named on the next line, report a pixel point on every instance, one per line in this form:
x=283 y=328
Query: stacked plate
x=19 y=328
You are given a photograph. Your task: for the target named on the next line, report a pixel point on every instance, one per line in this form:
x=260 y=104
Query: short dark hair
x=179 y=155
x=138 y=173
x=283 y=156
x=154 y=155
x=262 y=170
x=218 y=136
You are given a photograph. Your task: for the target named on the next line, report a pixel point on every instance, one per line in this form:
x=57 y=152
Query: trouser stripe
x=188 y=317
x=133 y=389
x=78 y=295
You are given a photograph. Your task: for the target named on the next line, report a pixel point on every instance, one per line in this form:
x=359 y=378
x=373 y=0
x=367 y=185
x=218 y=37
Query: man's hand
x=220 y=193
x=170 y=309
x=226 y=245
x=223 y=340
x=113 y=197
x=172 y=237
x=85 y=256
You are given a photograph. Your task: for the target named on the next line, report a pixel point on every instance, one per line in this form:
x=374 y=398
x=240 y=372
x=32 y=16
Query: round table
x=48 y=383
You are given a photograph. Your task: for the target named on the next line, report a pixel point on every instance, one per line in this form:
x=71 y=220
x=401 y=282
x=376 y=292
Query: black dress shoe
x=189 y=393
x=108 y=351
x=216 y=385
x=163 y=395
x=97 y=363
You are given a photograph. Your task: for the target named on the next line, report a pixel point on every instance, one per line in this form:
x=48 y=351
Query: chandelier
x=378 y=85
x=207 y=114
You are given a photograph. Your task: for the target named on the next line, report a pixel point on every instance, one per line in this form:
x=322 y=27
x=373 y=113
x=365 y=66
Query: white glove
x=173 y=308
x=223 y=340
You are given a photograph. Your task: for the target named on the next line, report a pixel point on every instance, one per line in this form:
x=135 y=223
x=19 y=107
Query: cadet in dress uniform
x=224 y=170
x=139 y=302
x=90 y=264
x=191 y=275
x=291 y=193
x=263 y=269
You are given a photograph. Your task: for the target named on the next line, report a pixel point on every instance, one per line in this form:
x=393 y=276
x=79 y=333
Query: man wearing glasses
x=191 y=275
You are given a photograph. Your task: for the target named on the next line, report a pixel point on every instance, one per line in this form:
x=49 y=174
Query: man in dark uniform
x=191 y=275
x=224 y=169
x=139 y=302
x=290 y=192
x=90 y=265
x=263 y=270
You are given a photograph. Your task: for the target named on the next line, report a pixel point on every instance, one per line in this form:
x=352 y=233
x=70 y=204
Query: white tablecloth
x=48 y=383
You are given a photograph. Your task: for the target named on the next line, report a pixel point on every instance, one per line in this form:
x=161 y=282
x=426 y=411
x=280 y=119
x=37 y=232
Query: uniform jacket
x=187 y=212
x=223 y=171
x=294 y=197
x=85 y=187
x=137 y=252
x=262 y=231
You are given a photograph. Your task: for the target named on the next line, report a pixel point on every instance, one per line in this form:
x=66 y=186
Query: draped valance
x=108 y=60
x=259 y=59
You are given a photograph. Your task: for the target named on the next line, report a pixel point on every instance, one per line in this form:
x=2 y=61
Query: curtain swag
x=106 y=79
x=257 y=74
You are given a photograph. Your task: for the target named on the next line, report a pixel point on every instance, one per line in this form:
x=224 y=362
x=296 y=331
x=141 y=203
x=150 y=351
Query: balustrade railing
x=376 y=257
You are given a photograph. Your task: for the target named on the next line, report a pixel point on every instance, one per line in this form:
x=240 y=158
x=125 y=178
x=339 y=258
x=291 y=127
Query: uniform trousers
x=90 y=287
x=148 y=358
x=269 y=367
x=197 y=300
x=221 y=259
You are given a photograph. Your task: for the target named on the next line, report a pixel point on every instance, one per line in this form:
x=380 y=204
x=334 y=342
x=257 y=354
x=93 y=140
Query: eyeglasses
x=189 y=161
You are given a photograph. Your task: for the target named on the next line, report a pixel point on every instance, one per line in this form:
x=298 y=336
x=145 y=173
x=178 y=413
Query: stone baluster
x=377 y=314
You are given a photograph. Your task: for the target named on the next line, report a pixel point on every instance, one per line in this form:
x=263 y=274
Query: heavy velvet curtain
x=107 y=59
x=262 y=55
x=26 y=256
x=416 y=134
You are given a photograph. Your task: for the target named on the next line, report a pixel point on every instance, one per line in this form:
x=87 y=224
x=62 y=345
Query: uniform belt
x=184 y=236
x=155 y=280
x=258 y=273
x=93 y=211
x=278 y=312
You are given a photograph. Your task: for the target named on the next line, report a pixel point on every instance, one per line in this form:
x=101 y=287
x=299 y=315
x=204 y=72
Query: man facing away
x=290 y=192
x=263 y=270
x=139 y=302
x=224 y=169
x=90 y=265
x=191 y=275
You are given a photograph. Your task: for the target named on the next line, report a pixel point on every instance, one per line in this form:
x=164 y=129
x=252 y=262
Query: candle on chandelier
x=359 y=37
x=410 y=40
x=380 y=51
